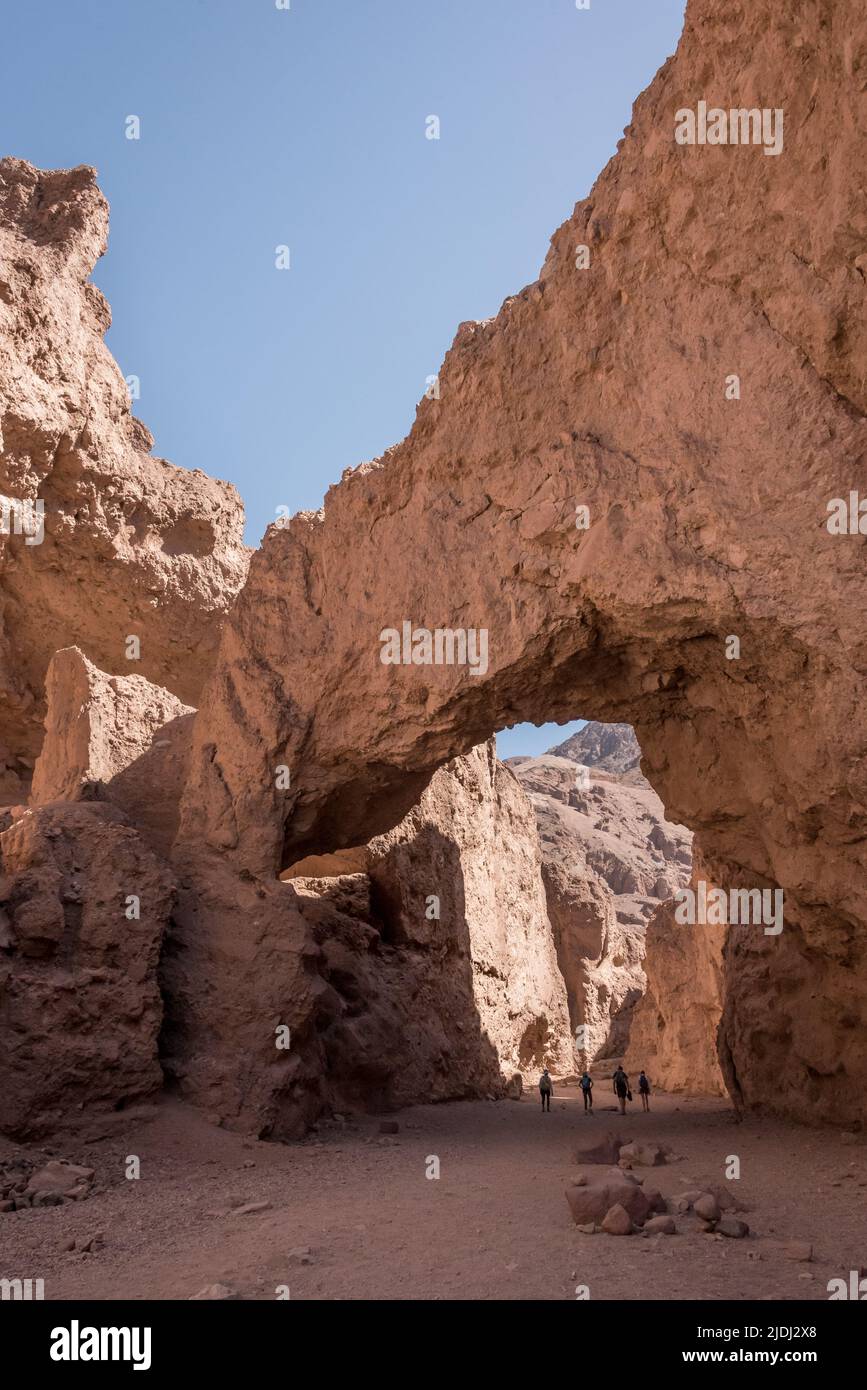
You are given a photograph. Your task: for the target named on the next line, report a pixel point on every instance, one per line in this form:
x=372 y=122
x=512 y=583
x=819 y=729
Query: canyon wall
x=610 y=858
x=689 y=388
x=623 y=482
x=131 y=546
x=430 y=974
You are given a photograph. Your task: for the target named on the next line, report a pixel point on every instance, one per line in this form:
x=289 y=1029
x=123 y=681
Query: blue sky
x=306 y=128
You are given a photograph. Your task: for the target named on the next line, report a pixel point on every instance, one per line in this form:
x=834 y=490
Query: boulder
x=660 y=1225
x=603 y=1191
x=617 y=1221
x=707 y=1207
x=603 y=1148
x=733 y=1228
x=644 y=1155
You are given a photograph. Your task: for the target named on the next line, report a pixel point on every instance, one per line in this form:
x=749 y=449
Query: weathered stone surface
x=80 y=1009
x=643 y=1155
x=592 y=1201
x=406 y=1005
x=132 y=545
x=605 y=1148
x=675 y=1026
x=660 y=1226
x=609 y=859
x=617 y=1221
x=605 y=388
x=113 y=738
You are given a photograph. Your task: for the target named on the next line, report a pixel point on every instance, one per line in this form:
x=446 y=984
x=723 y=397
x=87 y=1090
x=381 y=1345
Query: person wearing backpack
x=587 y=1089
x=545 y=1089
x=621 y=1088
x=644 y=1091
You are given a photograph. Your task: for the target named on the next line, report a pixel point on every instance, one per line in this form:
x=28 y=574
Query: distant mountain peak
x=611 y=748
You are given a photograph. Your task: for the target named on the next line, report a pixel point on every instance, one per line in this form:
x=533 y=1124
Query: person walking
x=621 y=1088
x=587 y=1091
x=545 y=1089
x=644 y=1091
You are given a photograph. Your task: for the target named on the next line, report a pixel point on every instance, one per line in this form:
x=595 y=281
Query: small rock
x=61 y=1178
x=617 y=1221
x=587 y=1229
x=731 y=1227
x=301 y=1255
x=707 y=1207
x=249 y=1208
x=798 y=1250
x=213 y=1291
x=660 y=1225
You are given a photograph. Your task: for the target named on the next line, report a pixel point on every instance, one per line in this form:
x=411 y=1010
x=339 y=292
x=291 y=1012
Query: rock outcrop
x=113 y=738
x=607 y=747
x=690 y=389
x=619 y=501
x=674 y=1027
x=100 y=542
x=429 y=975
x=609 y=859
x=83 y=907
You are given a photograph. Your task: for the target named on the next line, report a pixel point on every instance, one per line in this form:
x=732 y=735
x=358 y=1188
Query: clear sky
x=306 y=127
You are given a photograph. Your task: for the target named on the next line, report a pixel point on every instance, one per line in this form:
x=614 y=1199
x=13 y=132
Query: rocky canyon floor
x=350 y=1213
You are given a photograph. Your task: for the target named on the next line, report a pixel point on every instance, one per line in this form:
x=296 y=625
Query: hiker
x=545 y=1089
x=587 y=1089
x=644 y=1091
x=621 y=1088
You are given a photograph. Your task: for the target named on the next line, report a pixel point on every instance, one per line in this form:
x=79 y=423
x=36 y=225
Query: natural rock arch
x=606 y=388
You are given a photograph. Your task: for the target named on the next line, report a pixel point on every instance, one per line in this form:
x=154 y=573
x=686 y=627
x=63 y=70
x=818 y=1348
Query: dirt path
x=495 y=1225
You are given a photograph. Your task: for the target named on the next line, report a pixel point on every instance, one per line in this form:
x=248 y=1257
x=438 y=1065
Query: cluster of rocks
x=25 y=1183
x=607 y=1196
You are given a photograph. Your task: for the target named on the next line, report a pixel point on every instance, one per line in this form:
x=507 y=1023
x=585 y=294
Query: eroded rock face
x=80 y=1009
x=609 y=388
x=674 y=1030
x=430 y=975
x=471 y=843
x=113 y=738
x=609 y=859
x=132 y=546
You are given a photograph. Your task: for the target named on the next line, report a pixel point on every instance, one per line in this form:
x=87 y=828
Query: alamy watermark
x=737 y=126
x=23 y=516
x=444 y=646
x=716 y=907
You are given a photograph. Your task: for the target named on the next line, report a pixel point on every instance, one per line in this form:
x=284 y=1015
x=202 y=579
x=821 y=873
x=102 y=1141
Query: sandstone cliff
x=609 y=859
x=131 y=546
x=692 y=388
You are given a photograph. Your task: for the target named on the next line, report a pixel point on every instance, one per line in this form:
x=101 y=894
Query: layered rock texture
x=132 y=547
x=83 y=907
x=612 y=388
x=609 y=859
x=429 y=974
x=616 y=504
x=441 y=954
